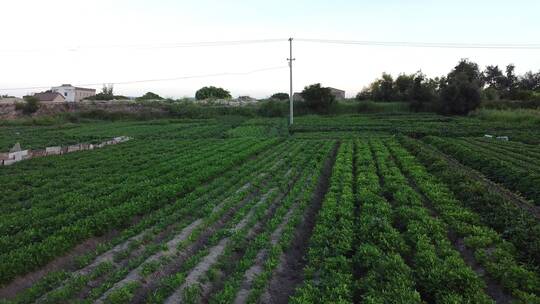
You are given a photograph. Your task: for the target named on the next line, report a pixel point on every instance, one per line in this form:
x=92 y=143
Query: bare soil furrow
x=289 y=274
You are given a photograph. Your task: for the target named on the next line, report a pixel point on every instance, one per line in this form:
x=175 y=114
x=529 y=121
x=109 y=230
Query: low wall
x=9 y=158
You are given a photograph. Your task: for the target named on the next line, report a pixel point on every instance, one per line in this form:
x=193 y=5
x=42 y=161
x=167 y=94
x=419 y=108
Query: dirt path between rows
x=216 y=251
x=258 y=266
x=289 y=274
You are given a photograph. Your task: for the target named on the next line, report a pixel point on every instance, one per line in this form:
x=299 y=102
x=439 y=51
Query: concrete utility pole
x=290 y=59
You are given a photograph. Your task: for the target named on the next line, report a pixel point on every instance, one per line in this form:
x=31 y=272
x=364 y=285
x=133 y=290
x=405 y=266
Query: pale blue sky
x=54 y=36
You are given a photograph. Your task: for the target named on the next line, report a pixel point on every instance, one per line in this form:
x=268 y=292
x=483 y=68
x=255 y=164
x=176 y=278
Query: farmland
x=400 y=208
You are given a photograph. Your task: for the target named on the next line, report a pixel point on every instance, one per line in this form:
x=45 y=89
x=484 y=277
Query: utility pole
x=290 y=59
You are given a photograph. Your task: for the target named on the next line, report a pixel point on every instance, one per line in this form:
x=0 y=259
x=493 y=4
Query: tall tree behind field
x=460 y=91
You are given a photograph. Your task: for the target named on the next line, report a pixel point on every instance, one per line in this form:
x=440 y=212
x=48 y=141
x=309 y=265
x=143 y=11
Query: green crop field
x=373 y=208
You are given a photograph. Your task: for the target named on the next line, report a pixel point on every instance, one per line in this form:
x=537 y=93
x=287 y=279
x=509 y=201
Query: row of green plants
x=498 y=257
x=417 y=124
x=512 y=222
x=32 y=256
x=236 y=198
x=47 y=215
x=382 y=274
x=42 y=220
x=518 y=179
x=514 y=146
x=280 y=182
x=441 y=274
x=328 y=273
x=284 y=221
x=99 y=171
x=518 y=158
x=41 y=136
x=197 y=203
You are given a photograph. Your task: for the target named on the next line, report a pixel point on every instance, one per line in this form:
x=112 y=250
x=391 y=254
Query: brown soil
x=289 y=274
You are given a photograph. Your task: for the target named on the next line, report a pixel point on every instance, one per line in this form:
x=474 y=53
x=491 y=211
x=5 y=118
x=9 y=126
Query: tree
x=105 y=94
x=212 y=93
x=150 y=96
x=511 y=81
x=383 y=89
x=530 y=81
x=460 y=92
x=319 y=99
x=280 y=96
x=494 y=77
x=403 y=86
x=30 y=105
x=423 y=92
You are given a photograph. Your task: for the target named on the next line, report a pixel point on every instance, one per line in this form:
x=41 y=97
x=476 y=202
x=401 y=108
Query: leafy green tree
x=494 y=78
x=280 y=96
x=460 y=91
x=383 y=89
x=318 y=99
x=150 y=96
x=530 y=81
x=30 y=105
x=212 y=93
x=423 y=92
x=511 y=84
x=403 y=86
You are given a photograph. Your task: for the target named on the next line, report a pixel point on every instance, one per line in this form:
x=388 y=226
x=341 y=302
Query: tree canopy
x=212 y=92
x=318 y=99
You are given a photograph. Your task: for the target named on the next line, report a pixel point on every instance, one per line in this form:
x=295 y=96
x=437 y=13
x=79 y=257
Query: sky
x=48 y=43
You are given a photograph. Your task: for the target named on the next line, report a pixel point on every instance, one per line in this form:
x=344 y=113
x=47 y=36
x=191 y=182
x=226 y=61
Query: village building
x=339 y=94
x=73 y=94
x=49 y=97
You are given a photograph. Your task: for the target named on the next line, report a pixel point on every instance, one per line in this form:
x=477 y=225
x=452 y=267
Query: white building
x=73 y=94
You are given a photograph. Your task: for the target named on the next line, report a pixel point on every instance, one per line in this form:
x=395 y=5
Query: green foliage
x=212 y=93
x=149 y=96
x=123 y=295
x=318 y=99
x=460 y=90
x=30 y=105
x=280 y=96
x=273 y=108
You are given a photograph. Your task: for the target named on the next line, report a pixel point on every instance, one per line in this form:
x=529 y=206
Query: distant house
x=73 y=94
x=49 y=96
x=339 y=94
x=298 y=97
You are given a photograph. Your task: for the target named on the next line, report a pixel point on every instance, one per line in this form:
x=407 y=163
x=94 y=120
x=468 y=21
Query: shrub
x=318 y=99
x=212 y=93
x=30 y=105
x=273 y=108
x=460 y=92
x=280 y=96
x=149 y=96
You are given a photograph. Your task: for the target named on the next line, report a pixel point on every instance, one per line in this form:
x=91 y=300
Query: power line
x=426 y=44
x=159 y=79
x=155 y=46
